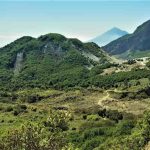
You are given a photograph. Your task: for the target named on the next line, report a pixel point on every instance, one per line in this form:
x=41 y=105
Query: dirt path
x=133 y=107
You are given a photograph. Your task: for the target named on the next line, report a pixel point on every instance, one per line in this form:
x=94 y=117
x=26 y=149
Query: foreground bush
x=32 y=138
x=38 y=137
x=136 y=140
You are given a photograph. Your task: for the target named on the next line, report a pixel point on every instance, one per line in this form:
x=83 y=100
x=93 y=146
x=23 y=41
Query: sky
x=82 y=19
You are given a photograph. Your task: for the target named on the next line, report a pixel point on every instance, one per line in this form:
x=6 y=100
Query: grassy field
x=77 y=102
x=96 y=115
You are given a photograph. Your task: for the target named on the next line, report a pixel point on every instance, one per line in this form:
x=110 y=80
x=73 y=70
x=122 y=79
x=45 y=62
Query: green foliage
x=38 y=137
x=9 y=109
x=126 y=134
x=136 y=137
x=48 y=61
x=32 y=137
x=75 y=58
x=124 y=128
x=93 y=117
x=53 y=61
x=33 y=98
x=57 y=120
x=111 y=114
x=96 y=70
x=19 y=109
x=109 y=81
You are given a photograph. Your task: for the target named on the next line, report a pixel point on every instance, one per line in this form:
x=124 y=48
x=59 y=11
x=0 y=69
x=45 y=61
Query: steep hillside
x=132 y=45
x=109 y=36
x=49 y=60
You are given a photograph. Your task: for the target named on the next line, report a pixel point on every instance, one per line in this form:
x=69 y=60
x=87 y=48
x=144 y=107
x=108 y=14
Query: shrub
x=32 y=137
x=33 y=98
x=73 y=128
x=91 y=144
x=88 y=134
x=2 y=120
x=114 y=115
x=34 y=109
x=9 y=109
x=16 y=113
x=57 y=120
x=19 y=109
x=84 y=117
x=1 y=108
x=93 y=117
x=111 y=114
x=37 y=137
x=124 y=128
x=24 y=107
x=102 y=112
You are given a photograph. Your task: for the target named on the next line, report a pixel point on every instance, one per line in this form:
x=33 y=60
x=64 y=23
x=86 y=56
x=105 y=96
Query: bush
x=88 y=134
x=9 y=109
x=33 y=98
x=57 y=120
x=23 y=107
x=114 y=115
x=124 y=128
x=84 y=117
x=1 y=108
x=16 y=113
x=111 y=114
x=32 y=137
x=34 y=109
x=91 y=144
x=19 y=109
x=102 y=112
x=93 y=117
x=37 y=137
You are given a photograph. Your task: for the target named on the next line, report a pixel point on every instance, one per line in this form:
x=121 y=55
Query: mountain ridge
x=138 y=41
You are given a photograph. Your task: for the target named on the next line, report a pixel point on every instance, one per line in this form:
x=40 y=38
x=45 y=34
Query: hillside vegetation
x=62 y=94
x=49 y=61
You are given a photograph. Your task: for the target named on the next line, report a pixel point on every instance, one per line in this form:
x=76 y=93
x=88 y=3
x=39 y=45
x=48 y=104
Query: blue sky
x=80 y=19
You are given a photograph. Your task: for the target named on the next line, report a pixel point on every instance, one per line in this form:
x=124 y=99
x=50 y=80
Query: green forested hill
x=51 y=60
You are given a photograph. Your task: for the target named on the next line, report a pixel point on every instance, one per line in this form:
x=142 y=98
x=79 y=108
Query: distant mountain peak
x=117 y=29
x=114 y=29
x=108 y=36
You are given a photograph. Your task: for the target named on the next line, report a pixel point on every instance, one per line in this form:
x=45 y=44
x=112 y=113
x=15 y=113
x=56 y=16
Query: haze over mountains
x=109 y=36
x=132 y=45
